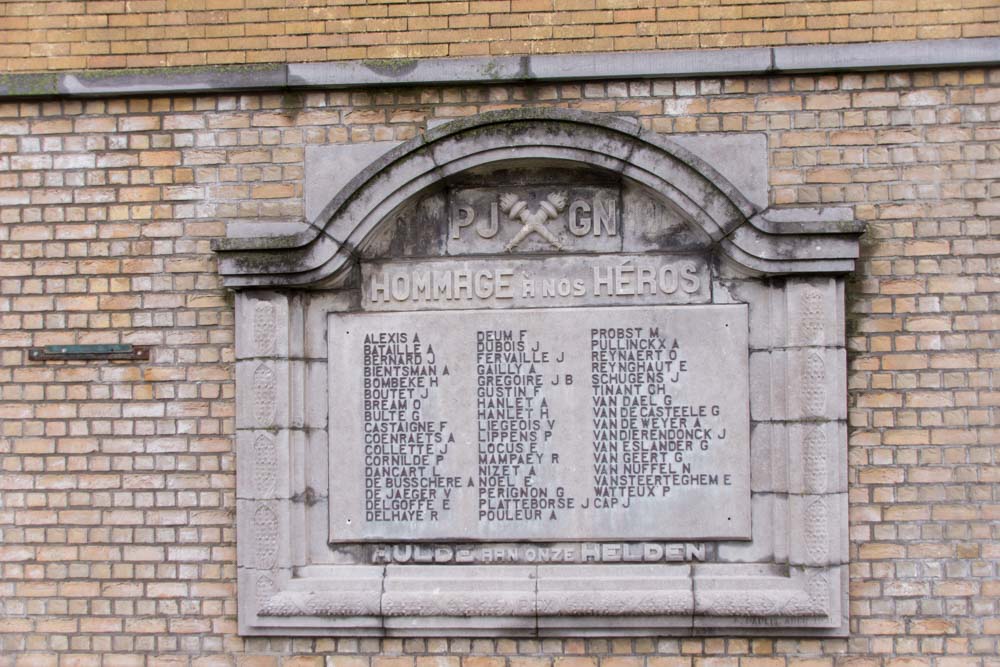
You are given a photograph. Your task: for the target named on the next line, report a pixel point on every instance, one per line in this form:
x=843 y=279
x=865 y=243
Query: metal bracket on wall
x=106 y=352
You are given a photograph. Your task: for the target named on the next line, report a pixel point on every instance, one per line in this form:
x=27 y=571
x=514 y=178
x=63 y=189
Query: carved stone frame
x=786 y=265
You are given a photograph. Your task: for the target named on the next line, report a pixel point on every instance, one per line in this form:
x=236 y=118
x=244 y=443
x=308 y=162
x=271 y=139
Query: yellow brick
x=272 y=191
x=303 y=661
x=159 y=158
x=932 y=626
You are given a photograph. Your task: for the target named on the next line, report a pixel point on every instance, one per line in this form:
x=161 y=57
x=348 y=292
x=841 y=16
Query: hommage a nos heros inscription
x=626 y=423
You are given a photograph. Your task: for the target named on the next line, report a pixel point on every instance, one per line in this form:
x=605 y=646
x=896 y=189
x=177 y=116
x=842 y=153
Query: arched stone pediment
x=693 y=206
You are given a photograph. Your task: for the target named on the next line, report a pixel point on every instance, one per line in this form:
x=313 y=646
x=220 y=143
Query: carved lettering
x=488 y=220
x=606 y=217
x=579 y=222
x=677 y=280
x=491 y=425
x=569 y=552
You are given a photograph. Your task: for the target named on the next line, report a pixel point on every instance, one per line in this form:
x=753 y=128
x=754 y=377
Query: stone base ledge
x=540 y=600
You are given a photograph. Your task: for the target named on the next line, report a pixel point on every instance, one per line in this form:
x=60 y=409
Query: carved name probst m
x=542 y=373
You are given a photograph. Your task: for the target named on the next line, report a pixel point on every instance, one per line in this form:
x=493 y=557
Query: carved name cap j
x=762 y=242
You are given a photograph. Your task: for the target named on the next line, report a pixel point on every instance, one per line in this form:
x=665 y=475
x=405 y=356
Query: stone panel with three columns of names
x=570 y=424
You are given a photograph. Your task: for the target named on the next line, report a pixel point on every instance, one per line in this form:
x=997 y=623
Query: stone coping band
x=976 y=52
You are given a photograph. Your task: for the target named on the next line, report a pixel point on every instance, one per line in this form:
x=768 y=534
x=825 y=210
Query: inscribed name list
x=562 y=424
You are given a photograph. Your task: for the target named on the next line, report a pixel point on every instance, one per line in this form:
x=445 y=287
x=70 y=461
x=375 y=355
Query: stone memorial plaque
x=543 y=373
x=571 y=424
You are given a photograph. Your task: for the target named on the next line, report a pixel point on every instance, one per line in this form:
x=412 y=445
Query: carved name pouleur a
x=542 y=373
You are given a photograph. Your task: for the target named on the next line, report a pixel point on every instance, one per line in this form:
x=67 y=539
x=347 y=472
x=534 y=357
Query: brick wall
x=58 y=35
x=117 y=481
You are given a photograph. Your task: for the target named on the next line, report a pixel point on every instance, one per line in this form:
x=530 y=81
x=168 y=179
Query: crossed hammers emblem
x=534 y=223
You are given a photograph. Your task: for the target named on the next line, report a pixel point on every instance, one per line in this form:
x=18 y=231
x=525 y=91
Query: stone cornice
x=975 y=52
x=762 y=242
